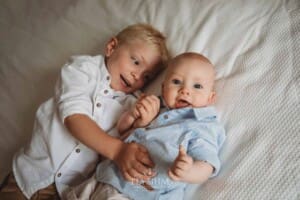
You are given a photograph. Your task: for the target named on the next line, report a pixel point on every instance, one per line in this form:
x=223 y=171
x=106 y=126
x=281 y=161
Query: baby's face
x=189 y=83
x=131 y=65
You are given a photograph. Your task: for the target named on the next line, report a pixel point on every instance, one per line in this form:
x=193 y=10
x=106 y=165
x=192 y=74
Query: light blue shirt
x=196 y=129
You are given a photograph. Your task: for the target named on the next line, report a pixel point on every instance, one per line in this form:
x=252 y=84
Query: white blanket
x=255 y=46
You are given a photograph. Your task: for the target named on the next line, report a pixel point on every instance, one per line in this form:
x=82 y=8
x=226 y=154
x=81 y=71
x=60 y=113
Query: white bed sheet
x=255 y=46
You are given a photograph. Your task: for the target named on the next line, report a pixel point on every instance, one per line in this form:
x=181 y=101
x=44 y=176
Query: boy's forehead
x=139 y=46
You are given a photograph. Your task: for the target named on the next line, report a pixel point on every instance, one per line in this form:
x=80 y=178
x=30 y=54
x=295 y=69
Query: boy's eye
x=176 y=81
x=135 y=61
x=198 y=86
x=147 y=77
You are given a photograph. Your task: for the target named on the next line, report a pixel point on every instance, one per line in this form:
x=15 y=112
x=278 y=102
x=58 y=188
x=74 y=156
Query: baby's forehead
x=187 y=64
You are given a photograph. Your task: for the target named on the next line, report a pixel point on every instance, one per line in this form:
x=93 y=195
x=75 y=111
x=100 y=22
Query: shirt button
x=166 y=117
x=105 y=91
x=59 y=175
x=77 y=150
x=98 y=105
x=107 y=78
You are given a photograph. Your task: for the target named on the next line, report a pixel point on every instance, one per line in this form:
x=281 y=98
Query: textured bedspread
x=255 y=46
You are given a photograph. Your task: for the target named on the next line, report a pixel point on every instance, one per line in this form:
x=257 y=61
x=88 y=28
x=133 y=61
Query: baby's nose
x=184 y=91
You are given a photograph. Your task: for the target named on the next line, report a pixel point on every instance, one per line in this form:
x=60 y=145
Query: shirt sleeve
x=75 y=85
x=207 y=148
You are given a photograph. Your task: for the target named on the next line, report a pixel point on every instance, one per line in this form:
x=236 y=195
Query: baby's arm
x=185 y=169
x=144 y=111
x=125 y=124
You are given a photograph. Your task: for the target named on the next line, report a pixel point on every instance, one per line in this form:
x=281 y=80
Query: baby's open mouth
x=126 y=83
x=182 y=103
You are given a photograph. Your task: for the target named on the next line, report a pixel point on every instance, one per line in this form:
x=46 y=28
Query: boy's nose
x=136 y=75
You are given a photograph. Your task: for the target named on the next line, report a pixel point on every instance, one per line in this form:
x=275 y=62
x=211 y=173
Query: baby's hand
x=146 y=109
x=181 y=166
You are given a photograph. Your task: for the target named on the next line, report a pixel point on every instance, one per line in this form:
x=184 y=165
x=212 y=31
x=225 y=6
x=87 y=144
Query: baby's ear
x=110 y=46
x=212 y=98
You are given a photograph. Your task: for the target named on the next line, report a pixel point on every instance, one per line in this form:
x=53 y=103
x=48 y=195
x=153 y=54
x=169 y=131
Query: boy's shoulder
x=86 y=58
x=86 y=64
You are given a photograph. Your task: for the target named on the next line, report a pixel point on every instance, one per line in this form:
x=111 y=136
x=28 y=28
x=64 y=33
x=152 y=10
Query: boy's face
x=189 y=83
x=131 y=65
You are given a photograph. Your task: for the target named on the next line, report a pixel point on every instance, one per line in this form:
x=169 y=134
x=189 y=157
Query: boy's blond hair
x=148 y=34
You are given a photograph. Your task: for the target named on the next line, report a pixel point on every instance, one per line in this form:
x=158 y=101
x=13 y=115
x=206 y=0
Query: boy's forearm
x=89 y=133
x=199 y=173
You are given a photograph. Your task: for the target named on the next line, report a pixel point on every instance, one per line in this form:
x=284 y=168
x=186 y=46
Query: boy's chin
x=126 y=90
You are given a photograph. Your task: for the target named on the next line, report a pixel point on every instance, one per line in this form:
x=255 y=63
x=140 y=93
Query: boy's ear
x=212 y=99
x=110 y=46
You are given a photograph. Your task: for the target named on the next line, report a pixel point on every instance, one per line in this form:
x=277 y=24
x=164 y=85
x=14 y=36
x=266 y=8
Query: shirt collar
x=162 y=103
x=208 y=113
x=199 y=113
x=203 y=113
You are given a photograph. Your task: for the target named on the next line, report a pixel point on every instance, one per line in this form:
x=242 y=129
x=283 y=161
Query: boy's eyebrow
x=143 y=59
x=139 y=56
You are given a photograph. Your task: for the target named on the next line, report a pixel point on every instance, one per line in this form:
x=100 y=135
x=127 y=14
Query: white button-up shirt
x=53 y=154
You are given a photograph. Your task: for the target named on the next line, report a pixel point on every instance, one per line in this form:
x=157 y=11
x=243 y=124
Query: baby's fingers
x=136 y=113
x=151 y=103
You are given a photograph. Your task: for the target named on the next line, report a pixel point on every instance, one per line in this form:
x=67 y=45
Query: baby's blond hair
x=148 y=34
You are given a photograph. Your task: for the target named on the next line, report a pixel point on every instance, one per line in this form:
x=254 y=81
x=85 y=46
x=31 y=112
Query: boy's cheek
x=139 y=85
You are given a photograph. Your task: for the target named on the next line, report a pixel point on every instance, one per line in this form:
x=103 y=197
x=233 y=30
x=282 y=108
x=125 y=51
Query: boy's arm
x=75 y=109
x=187 y=170
x=132 y=159
x=89 y=133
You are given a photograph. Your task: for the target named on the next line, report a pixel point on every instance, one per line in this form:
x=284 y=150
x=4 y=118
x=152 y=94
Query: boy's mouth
x=181 y=103
x=125 y=82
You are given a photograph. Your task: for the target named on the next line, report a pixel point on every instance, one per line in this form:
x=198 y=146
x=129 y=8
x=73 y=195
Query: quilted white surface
x=255 y=46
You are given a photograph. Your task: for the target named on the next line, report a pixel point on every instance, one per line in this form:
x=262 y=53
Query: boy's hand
x=146 y=109
x=181 y=166
x=134 y=162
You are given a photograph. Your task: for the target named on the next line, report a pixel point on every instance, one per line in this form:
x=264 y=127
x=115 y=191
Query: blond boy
x=71 y=128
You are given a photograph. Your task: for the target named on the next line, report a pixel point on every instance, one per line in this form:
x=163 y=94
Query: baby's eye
x=176 y=81
x=198 y=86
